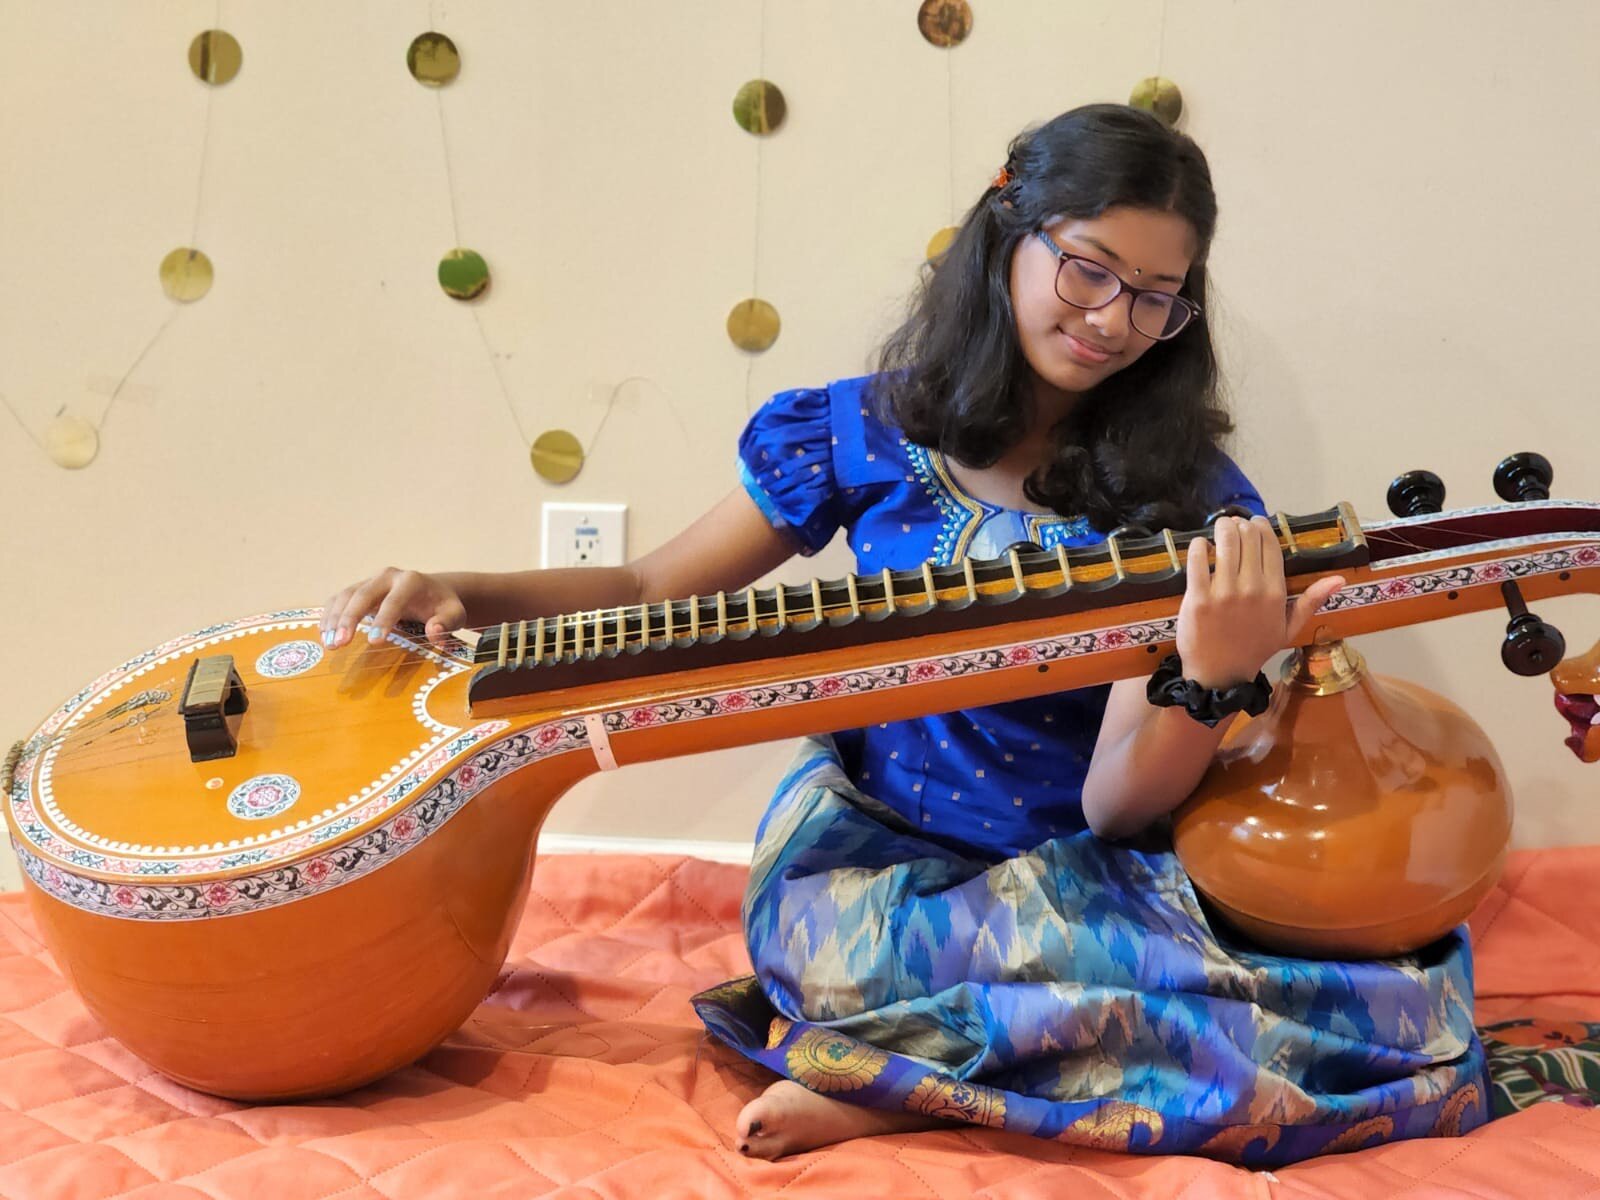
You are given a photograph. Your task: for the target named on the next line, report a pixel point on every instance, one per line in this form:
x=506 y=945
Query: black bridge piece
x=212 y=693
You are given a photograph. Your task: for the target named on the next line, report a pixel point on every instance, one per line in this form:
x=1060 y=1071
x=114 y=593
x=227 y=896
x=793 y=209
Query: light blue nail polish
x=327 y=639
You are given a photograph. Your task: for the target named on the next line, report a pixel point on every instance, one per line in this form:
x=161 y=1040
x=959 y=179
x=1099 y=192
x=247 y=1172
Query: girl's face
x=1071 y=349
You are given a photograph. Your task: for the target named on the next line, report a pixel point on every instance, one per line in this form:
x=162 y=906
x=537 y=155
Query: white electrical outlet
x=583 y=535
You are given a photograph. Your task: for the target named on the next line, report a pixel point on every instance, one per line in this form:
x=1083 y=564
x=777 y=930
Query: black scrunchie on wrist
x=1169 y=689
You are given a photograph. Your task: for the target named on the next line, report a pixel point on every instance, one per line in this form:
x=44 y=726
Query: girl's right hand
x=391 y=596
x=1237 y=614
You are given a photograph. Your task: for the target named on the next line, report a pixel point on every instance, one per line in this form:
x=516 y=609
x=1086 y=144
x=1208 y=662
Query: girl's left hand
x=1236 y=615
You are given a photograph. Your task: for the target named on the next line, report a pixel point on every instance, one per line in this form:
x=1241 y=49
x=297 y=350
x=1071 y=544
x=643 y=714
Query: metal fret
x=1116 y=559
x=989 y=582
x=1288 y=534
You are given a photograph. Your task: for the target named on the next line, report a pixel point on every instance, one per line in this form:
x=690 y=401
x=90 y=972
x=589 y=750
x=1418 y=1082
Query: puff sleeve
x=786 y=465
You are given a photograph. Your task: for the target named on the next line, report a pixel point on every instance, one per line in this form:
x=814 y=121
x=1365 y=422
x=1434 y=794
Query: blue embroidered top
x=994 y=781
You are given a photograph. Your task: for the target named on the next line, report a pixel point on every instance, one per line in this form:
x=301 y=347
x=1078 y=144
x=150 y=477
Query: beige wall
x=1405 y=188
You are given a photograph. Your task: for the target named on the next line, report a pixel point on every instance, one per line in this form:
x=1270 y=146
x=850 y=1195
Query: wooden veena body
x=329 y=900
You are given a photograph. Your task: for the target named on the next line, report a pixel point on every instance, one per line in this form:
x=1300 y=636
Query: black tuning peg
x=1524 y=476
x=1415 y=494
x=1532 y=646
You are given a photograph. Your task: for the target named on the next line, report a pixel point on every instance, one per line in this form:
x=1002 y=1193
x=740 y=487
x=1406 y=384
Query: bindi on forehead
x=1112 y=254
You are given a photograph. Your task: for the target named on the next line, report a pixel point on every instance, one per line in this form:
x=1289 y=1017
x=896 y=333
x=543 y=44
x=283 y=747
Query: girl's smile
x=1086 y=352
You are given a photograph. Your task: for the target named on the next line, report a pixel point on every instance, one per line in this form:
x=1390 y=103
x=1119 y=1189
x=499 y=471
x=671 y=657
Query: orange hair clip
x=1002 y=178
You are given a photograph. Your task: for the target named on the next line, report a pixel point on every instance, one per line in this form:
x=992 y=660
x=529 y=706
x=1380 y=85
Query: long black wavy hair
x=1142 y=445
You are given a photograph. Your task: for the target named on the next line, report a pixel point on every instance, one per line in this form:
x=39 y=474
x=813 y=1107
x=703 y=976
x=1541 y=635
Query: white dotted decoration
x=264 y=796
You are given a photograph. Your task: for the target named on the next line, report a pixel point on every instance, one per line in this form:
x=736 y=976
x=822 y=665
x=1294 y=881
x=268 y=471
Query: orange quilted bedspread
x=585 y=1074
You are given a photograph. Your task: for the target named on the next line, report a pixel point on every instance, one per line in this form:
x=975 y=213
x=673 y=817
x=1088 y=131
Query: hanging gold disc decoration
x=463 y=274
x=753 y=325
x=1160 y=96
x=433 y=59
x=186 y=274
x=71 y=442
x=759 y=107
x=215 y=56
x=557 y=455
x=945 y=23
x=940 y=242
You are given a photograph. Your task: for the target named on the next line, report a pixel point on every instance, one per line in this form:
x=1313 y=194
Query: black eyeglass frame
x=1123 y=285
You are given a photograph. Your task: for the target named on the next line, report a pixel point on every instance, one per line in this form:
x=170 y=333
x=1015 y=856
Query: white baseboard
x=573 y=843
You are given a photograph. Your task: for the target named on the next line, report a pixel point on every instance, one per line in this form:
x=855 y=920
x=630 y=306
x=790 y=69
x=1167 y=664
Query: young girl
x=943 y=921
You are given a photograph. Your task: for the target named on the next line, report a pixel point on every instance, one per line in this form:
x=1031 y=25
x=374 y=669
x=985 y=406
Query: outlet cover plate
x=583 y=535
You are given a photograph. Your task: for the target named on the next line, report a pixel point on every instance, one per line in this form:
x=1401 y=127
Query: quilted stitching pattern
x=585 y=1074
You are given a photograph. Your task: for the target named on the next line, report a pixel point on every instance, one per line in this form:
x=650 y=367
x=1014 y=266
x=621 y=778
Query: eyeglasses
x=1084 y=283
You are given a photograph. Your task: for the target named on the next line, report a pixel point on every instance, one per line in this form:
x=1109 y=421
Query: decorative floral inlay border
x=407 y=828
x=55 y=837
x=337 y=865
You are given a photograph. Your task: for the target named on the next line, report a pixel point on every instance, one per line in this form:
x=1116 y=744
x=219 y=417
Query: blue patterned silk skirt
x=1076 y=992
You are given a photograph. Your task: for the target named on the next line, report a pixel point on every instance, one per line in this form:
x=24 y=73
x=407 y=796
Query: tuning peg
x=1415 y=494
x=1524 y=476
x=1532 y=646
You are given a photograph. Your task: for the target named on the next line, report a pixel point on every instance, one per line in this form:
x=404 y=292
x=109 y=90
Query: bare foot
x=790 y=1119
